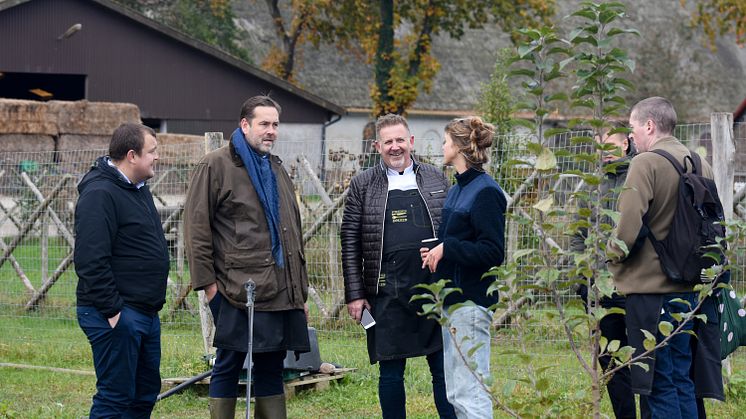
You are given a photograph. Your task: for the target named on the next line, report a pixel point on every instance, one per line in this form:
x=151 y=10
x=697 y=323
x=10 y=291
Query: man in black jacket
x=121 y=259
x=390 y=209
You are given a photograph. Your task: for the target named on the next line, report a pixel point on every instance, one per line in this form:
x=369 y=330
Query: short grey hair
x=657 y=109
x=389 y=120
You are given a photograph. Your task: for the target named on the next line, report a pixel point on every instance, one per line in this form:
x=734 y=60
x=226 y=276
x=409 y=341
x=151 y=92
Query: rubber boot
x=221 y=408
x=270 y=407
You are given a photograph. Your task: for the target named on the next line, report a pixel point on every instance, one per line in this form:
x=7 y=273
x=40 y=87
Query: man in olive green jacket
x=651 y=190
x=242 y=222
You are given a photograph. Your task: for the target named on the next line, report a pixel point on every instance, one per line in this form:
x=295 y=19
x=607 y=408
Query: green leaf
x=551 y=132
x=616 y=310
x=416 y=297
x=649 y=342
x=574 y=34
x=545 y=204
x=525 y=50
x=525 y=123
x=624 y=353
x=618 y=31
x=556 y=96
x=630 y=64
x=522 y=72
x=665 y=328
x=642 y=365
x=546 y=160
x=588 y=14
x=614 y=345
x=509 y=388
x=602 y=342
x=520 y=253
x=681 y=301
x=607 y=16
x=542 y=384
x=565 y=62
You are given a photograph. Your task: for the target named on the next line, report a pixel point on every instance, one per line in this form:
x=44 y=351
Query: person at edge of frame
x=685 y=369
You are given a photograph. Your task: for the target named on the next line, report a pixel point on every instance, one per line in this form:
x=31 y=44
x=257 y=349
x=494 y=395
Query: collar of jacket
x=237 y=159
x=415 y=166
x=463 y=179
x=663 y=142
x=111 y=173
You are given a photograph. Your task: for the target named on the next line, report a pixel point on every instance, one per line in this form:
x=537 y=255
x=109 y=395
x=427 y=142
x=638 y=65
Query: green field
x=33 y=393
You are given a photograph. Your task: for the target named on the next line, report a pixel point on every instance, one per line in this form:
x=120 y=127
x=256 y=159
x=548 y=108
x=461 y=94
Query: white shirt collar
x=111 y=163
x=405 y=181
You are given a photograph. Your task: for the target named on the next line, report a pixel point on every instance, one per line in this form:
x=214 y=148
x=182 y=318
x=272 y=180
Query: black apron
x=399 y=331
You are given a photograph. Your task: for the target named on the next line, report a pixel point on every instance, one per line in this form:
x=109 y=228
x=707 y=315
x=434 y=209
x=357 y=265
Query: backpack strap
x=693 y=157
x=646 y=231
x=696 y=162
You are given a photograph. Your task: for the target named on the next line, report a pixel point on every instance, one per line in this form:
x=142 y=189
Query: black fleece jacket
x=473 y=232
x=121 y=255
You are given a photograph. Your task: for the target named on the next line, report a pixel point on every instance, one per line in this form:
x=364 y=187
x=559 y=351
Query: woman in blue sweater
x=472 y=231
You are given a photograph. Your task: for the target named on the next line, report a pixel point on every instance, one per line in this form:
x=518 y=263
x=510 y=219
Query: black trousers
x=622 y=398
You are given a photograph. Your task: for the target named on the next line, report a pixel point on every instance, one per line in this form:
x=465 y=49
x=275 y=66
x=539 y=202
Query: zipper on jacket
x=154 y=217
x=383 y=227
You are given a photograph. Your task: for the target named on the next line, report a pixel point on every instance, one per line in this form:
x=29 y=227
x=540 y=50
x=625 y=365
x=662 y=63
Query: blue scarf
x=265 y=183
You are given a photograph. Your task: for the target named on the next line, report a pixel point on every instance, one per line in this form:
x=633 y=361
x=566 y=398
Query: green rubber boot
x=270 y=407
x=222 y=408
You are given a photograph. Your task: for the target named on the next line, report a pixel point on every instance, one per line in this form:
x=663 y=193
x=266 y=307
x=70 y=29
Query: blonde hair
x=472 y=136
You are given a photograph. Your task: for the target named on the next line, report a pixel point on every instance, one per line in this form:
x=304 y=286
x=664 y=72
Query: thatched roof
x=672 y=61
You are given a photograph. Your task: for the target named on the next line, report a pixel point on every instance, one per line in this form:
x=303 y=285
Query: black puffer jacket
x=362 y=223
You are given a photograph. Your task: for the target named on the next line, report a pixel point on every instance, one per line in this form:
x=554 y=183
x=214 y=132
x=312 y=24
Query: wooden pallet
x=310 y=382
x=314 y=382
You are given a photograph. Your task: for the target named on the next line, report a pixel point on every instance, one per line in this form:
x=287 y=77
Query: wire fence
x=37 y=201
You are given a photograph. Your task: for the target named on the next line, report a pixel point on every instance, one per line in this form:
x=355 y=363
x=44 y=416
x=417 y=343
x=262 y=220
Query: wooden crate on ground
x=314 y=381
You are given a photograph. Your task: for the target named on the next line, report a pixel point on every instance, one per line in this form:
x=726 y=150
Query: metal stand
x=182 y=386
x=250 y=287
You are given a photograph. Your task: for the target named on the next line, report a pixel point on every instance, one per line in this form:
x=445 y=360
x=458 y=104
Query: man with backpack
x=658 y=288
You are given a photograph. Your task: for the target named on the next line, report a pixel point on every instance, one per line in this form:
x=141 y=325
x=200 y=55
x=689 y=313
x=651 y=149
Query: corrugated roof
x=207 y=49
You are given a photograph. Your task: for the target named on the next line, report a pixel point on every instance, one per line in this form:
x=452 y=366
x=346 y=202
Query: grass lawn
x=31 y=393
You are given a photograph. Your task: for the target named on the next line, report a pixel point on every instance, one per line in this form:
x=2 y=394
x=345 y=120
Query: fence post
x=723 y=168
x=723 y=158
x=213 y=141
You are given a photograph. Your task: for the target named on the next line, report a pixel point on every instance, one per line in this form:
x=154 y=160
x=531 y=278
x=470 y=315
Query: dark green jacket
x=228 y=239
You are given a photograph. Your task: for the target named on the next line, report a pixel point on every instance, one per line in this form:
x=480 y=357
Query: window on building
x=41 y=86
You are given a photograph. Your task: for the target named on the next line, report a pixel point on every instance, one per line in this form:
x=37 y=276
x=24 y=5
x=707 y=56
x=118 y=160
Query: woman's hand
x=431 y=258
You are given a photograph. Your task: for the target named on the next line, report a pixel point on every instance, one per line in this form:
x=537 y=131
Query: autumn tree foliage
x=394 y=36
x=720 y=17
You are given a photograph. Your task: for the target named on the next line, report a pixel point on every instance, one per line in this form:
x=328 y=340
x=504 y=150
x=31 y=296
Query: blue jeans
x=672 y=395
x=127 y=362
x=472 y=327
x=391 y=387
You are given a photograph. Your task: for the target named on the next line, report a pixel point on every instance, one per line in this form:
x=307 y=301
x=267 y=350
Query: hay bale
x=27 y=117
x=29 y=143
x=93 y=118
x=180 y=149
